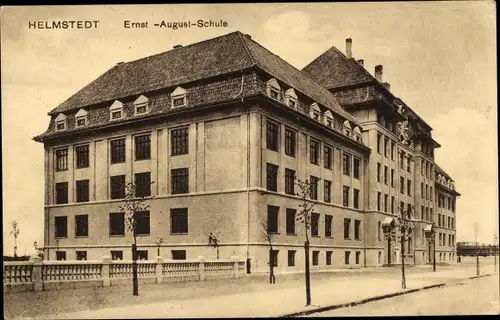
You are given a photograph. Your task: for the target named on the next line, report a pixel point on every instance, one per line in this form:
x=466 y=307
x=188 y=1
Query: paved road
x=468 y=297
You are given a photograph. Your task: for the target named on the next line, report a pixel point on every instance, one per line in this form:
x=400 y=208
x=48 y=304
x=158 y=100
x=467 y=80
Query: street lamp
x=159 y=241
x=388 y=228
x=430 y=235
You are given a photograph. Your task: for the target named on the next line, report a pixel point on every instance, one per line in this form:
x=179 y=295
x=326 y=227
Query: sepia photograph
x=327 y=159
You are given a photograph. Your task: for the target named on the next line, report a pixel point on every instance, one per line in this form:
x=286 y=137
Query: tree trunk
x=308 y=275
x=217 y=247
x=434 y=255
x=272 y=278
x=135 y=283
x=403 y=279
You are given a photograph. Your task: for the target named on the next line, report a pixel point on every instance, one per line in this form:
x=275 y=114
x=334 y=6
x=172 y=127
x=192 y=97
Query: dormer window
x=291 y=98
x=81 y=118
x=116 y=110
x=274 y=89
x=179 y=97
x=60 y=122
x=141 y=105
x=347 y=128
x=315 y=112
x=357 y=134
x=328 y=119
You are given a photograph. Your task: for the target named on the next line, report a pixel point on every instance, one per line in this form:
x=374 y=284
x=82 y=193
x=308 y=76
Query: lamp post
x=158 y=242
x=430 y=234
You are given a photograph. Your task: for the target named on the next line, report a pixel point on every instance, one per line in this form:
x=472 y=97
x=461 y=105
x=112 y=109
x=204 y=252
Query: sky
x=439 y=57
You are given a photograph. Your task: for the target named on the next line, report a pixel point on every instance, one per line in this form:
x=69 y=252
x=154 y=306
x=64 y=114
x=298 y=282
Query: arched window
x=179 y=97
x=291 y=98
x=60 y=122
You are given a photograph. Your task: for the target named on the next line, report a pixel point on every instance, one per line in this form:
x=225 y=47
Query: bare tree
x=304 y=215
x=404 y=226
x=268 y=236
x=15 y=233
x=133 y=204
x=213 y=241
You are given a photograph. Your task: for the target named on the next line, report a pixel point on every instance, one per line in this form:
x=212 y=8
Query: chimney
x=387 y=86
x=361 y=62
x=378 y=73
x=119 y=63
x=248 y=36
x=177 y=46
x=348 y=48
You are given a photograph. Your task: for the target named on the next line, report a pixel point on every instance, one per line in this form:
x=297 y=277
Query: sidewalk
x=281 y=298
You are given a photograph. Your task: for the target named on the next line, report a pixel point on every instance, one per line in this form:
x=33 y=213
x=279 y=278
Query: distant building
x=222 y=127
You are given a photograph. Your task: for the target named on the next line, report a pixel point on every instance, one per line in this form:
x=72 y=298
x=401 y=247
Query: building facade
x=213 y=135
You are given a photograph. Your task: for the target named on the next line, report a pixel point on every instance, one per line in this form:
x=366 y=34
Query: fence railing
x=41 y=275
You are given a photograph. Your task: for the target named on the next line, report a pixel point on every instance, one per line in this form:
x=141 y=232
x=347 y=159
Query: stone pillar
x=201 y=268
x=235 y=266
x=106 y=261
x=37 y=274
x=159 y=270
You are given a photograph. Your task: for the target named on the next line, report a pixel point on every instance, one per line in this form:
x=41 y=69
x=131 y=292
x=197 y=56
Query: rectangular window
x=117 y=185
x=180 y=180
x=408 y=191
x=179 y=220
x=314 y=152
x=116 y=115
x=422 y=167
x=62 y=159
x=142 y=220
x=272 y=177
x=386 y=146
x=346 y=164
x=290 y=220
x=402 y=160
x=290 y=142
x=328 y=225
x=422 y=190
x=327 y=157
x=422 y=213
x=315 y=224
x=329 y=258
x=327 y=191
x=273 y=136
x=289 y=181
x=430 y=193
x=402 y=185
x=427 y=192
x=408 y=165
x=386 y=175
x=117 y=224
x=179 y=141
x=379 y=201
x=393 y=204
x=143 y=147
x=357 y=224
x=347 y=228
x=178 y=254
x=142 y=254
x=356 y=168
x=116 y=255
x=401 y=206
x=273 y=257
x=117 y=150
x=61 y=192
x=427 y=214
x=379 y=169
x=82 y=191
x=345 y=196
x=315 y=258
x=358 y=255
x=82 y=225
x=272 y=219
x=82 y=156
x=314 y=188
x=291 y=258
x=61 y=227
x=392 y=178
x=347 y=256
x=60 y=255
x=393 y=147
x=379 y=231
x=179 y=102
x=81 y=255
x=386 y=202
x=355 y=199
x=379 y=143
x=143 y=184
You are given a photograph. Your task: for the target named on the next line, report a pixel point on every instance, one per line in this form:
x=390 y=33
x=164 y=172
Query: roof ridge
x=247 y=50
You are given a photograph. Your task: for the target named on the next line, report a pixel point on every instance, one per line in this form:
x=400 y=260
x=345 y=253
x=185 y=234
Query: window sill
x=116 y=235
x=291 y=234
x=79 y=237
x=143 y=235
x=178 y=233
x=61 y=170
x=57 y=238
x=117 y=162
x=143 y=159
x=85 y=167
x=329 y=237
x=313 y=236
